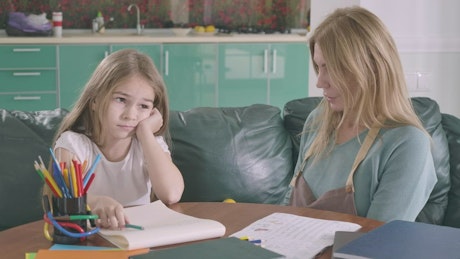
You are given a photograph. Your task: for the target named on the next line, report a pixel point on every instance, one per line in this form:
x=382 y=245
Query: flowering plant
x=78 y=14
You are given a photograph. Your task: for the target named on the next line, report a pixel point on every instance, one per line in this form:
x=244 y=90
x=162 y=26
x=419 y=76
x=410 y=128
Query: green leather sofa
x=243 y=153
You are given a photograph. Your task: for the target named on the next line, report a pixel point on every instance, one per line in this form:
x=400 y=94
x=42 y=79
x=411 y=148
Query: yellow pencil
x=74 y=180
x=50 y=179
x=66 y=177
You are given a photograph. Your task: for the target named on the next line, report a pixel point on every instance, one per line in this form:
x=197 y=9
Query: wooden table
x=15 y=242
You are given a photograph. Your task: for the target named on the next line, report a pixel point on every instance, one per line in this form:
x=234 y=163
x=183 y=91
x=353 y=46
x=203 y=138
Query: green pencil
x=134 y=226
x=76 y=217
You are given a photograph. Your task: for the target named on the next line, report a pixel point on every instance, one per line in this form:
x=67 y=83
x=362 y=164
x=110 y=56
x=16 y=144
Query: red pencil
x=52 y=188
x=89 y=183
x=77 y=166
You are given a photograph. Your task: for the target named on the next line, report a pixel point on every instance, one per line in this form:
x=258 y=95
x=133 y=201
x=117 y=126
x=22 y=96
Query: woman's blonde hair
x=359 y=50
x=88 y=111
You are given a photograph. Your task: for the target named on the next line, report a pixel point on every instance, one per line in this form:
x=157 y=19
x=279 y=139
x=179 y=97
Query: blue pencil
x=59 y=179
x=91 y=170
x=58 y=167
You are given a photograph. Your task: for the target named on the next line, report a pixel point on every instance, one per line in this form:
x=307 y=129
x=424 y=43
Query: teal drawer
x=28 y=102
x=27 y=80
x=27 y=56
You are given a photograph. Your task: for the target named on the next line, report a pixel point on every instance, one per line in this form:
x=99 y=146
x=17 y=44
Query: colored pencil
x=91 y=170
x=76 y=217
x=134 y=226
x=88 y=184
x=74 y=180
x=50 y=181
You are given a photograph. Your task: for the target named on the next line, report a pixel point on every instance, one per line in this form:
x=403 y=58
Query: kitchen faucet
x=138 y=25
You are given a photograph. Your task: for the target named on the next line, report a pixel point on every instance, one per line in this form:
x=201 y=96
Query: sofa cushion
x=296 y=112
x=243 y=153
x=451 y=125
x=23 y=137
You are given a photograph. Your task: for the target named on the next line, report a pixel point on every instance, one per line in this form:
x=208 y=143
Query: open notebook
x=162 y=226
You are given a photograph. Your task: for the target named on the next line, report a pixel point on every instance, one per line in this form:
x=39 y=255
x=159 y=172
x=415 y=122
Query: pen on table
x=134 y=226
x=252 y=241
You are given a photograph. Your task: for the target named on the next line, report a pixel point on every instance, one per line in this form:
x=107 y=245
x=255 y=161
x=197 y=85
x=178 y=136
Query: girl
x=122 y=114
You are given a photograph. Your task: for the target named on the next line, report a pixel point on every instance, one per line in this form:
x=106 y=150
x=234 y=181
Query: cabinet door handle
x=26 y=50
x=166 y=63
x=106 y=53
x=274 y=62
x=265 y=61
x=26 y=98
x=26 y=73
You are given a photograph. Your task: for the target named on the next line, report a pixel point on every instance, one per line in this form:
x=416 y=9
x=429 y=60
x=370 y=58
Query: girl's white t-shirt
x=126 y=181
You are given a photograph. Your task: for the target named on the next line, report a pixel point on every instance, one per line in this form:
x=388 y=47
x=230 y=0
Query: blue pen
x=55 y=161
x=256 y=241
x=59 y=179
x=91 y=170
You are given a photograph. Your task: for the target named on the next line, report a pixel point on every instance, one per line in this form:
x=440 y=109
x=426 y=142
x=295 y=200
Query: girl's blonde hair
x=90 y=108
x=359 y=51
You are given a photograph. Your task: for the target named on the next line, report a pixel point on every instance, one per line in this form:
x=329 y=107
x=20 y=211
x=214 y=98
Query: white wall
x=427 y=35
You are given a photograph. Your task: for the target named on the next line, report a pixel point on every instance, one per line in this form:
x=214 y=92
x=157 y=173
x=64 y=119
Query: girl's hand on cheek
x=152 y=123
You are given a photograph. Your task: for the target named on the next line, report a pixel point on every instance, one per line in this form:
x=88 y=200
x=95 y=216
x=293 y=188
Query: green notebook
x=221 y=248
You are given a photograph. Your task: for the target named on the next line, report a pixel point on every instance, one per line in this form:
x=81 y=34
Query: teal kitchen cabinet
x=288 y=74
x=76 y=65
x=242 y=74
x=190 y=74
x=153 y=50
x=28 y=77
x=78 y=62
x=266 y=73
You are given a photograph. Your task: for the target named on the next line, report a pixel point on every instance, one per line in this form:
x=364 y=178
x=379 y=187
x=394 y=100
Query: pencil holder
x=69 y=207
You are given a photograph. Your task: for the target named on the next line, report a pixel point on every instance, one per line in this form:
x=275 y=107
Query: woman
x=363 y=150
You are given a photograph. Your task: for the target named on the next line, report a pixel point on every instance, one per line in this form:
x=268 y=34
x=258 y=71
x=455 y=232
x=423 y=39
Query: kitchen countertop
x=113 y=36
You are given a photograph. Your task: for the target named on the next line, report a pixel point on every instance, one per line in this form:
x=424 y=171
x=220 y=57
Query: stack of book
x=400 y=239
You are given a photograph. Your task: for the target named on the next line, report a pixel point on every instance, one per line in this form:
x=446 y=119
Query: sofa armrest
x=451 y=125
x=23 y=137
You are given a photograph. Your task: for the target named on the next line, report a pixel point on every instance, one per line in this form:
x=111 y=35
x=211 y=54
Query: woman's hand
x=110 y=212
x=150 y=124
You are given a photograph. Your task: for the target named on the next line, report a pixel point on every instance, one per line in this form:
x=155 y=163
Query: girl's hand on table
x=110 y=212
